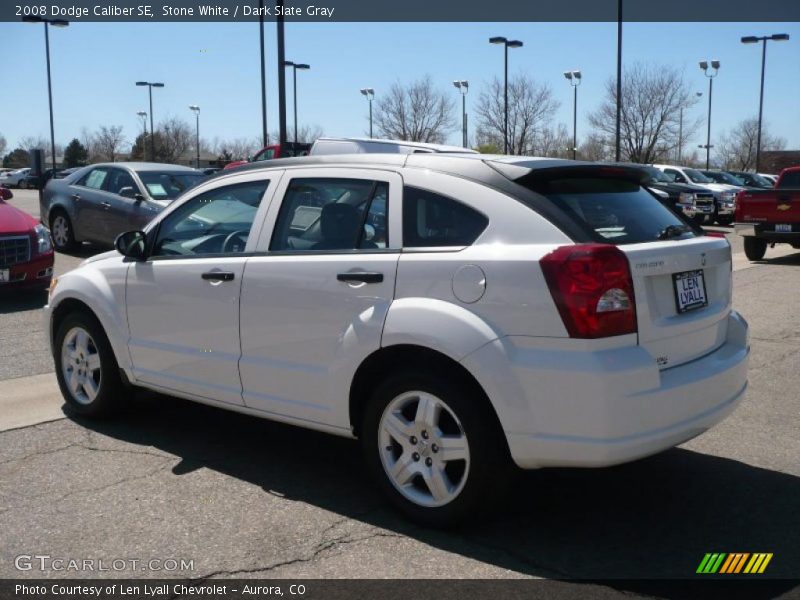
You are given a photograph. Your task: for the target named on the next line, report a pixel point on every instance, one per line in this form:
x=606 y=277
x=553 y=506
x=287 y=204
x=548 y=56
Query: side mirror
x=130 y=192
x=131 y=244
x=5 y=193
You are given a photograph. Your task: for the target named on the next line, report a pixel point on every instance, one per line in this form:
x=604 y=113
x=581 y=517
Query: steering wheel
x=241 y=235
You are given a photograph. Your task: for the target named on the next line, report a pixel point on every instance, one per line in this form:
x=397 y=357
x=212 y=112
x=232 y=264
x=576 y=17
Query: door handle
x=106 y=204
x=218 y=276
x=360 y=277
x=76 y=197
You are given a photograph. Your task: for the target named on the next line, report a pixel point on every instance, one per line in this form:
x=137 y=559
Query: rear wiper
x=671 y=231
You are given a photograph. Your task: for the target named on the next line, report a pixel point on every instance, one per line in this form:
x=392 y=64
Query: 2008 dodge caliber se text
x=455 y=313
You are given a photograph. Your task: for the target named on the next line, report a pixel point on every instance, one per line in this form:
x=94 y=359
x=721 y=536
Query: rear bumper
x=759 y=230
x=595 y=409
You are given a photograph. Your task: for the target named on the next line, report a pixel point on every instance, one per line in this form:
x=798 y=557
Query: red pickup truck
x=769 y=217
x=273 y=151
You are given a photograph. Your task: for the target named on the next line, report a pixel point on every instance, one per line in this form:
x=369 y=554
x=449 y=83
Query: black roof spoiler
x=529 y=173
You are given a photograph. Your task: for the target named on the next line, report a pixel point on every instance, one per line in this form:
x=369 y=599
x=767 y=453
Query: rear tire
x=755 y=248
x=699 y=219
x=86 y=368
x=61 y=231
x=434 y=446
x=725 y=221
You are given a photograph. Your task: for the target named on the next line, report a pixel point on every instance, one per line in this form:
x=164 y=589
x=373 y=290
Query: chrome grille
x=704 y=199
x=14 y=250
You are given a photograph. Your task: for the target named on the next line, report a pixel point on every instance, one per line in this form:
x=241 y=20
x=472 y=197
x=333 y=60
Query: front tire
x=725 y=221
x=755 y=248
x=86 y=368
x=62 y=232
x=434 y=446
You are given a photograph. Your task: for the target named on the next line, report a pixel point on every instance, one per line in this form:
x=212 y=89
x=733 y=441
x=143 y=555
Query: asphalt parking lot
x=244 y=497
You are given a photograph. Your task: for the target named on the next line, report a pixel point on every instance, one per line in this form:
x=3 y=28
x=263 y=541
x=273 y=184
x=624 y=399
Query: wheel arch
x=390 y=359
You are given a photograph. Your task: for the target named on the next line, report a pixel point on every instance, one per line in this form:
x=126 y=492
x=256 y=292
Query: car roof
x=147 y=166
x=421 y=145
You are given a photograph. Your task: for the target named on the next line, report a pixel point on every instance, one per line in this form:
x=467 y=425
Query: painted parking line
x=27 y=401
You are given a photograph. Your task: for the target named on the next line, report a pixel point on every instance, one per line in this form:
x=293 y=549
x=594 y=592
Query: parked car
x=771 y=178
x=273 y=151
x=26 y=252
x=724 y=194
x=98 y=202
x=753 y=180
x=690 y=200
x=67 y=172
x=370 y=146
x=13 y=178
x=36 y=182
x=540 y=312
x=768 y=217
x=210 y=170
x=723 y=177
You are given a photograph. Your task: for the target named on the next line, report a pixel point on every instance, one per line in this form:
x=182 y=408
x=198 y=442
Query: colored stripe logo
x=734 y=563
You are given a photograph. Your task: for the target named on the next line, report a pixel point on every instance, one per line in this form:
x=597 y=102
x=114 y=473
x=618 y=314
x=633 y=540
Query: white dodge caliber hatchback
x=457 y=314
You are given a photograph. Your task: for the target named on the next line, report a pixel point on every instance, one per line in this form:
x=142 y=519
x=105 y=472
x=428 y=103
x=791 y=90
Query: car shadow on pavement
x=788 y=260
x=653 y=519
x=21 y=301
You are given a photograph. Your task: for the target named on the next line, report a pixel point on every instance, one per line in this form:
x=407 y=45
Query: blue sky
x=216 y=65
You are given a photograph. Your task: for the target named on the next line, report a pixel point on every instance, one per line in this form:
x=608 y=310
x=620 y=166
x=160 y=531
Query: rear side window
x=431 y=220
x=617 y=211
x=790 y=180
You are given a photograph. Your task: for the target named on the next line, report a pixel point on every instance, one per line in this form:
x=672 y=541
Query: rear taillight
x=592 y=287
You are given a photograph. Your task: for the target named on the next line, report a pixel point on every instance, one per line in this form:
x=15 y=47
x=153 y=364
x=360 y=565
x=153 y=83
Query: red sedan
x=26 y=251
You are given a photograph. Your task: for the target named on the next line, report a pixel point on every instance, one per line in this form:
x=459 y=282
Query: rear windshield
x=168 y=186
x=616 y=211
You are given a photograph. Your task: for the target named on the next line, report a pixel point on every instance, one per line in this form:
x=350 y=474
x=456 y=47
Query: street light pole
x=507 y=44
x=574 y=78
x=463 y=87
x=264 y=134
x=47 y=23
x=751 y=39
x=143 y=115
x=710 y=73
x=369 y=94
x=196 y=110
x=680 y=132
x=150 y=86
x=295 y=66
x=618 y=148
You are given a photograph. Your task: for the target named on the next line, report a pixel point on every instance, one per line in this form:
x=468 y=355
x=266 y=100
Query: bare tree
x=107 y=142
x=531 y=107
x=415 y=112
x=652 y=98
x=555 y=142
x=306 y=134
x=3 y=145
x=238 y=148
x=595 y=148
x=737 y=148
x=176 y=137
x=40 y=142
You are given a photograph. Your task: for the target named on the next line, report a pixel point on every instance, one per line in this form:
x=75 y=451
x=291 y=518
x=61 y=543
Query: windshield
x=656 y=175
x=697 y=177
x=616 y=211
x=721 y=177
x=168 y=186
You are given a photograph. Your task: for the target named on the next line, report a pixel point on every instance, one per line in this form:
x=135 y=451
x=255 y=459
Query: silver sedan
x=99 y=202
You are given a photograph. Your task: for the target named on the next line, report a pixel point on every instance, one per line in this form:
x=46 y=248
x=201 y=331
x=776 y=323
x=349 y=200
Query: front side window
x=215 y=222
x=168 y=186
x=432 y=220
x=118 y=179
x=330 y=214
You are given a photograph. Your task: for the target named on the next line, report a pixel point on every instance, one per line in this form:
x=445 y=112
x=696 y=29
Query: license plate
x=4 y=275
x=690 y=290
x=783 y=228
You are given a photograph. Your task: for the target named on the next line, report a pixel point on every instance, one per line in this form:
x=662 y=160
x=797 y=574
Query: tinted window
x=94 y=179
x=216 y=222
x=432 y=220
x=332 y=214
x=168 y=186
x=790 y=180
x=617 y=211
x=697 y=177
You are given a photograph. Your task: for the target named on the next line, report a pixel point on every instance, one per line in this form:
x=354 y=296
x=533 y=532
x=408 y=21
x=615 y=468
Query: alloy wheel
x=80 y=365
x=60 y=231
x=423 y=449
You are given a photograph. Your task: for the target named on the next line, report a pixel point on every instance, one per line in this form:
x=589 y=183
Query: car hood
x=101 y=256
x=721 y=187
x=14 y=220
x=677 y=188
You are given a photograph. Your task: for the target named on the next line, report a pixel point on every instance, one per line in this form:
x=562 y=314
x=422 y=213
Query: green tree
x=16 y=159
x=75 y=154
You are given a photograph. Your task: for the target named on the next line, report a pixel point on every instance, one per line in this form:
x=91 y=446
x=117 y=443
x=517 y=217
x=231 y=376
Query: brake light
x=592 y=287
